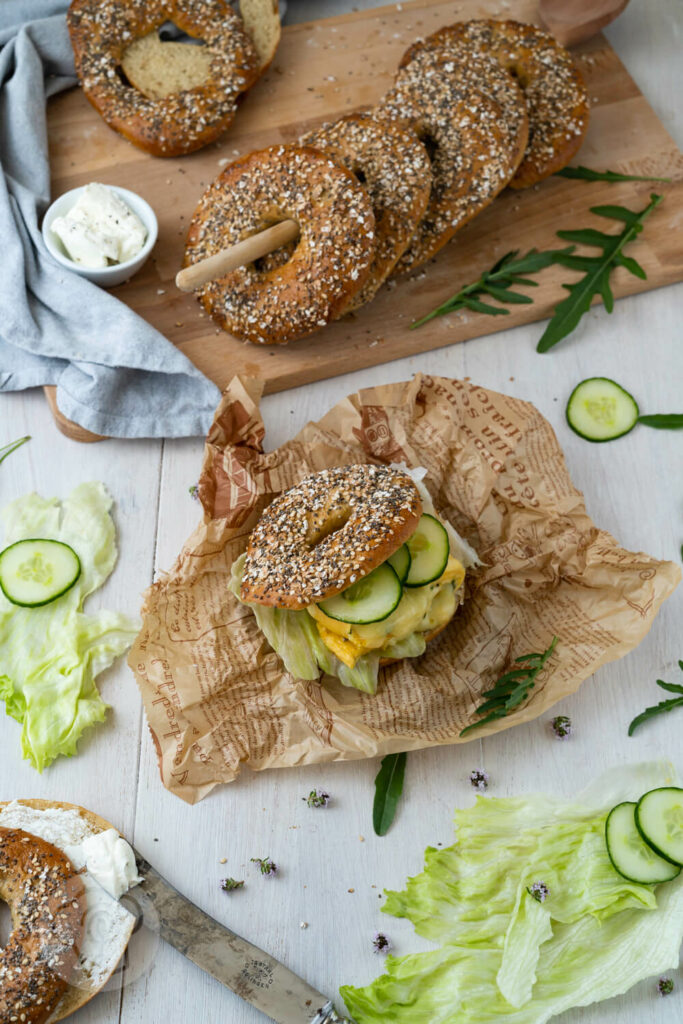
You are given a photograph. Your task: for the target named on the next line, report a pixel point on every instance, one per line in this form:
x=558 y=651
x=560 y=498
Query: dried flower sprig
x=382 y=943
x=479 y=779
x=230 y=884
x=561 y=726
x=665 y=986
x=267 y=867
x=539 y=891
x=317 y=798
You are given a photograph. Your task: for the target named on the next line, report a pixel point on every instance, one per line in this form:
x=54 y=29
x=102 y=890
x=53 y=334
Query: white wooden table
x=332 y=867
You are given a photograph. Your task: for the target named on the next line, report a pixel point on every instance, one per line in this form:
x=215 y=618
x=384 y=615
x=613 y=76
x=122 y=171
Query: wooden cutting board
x=323 y=69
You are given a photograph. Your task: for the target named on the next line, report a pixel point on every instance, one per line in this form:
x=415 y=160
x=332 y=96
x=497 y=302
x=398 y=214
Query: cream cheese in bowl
x=100 y=229
x=101 y=232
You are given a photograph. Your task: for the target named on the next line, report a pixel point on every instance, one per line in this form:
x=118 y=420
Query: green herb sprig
x=12 y=447
x=588 y=174
x=512 y=688
x=663 y=706
x=388 y=789
x=497 y=283
x=596 y=269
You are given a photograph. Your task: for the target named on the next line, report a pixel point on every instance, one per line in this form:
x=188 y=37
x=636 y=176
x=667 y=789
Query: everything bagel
x=298 y=289
x=47 y=901
x=329 y=530
x=394 y=166
x=554 y=89
x=472 y=157
x=102 y=30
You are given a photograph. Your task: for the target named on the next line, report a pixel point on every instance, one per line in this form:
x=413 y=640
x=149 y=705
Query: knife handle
x=328 y=1015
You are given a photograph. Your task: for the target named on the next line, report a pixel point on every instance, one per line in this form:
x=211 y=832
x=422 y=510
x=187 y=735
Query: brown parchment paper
x=218 y=697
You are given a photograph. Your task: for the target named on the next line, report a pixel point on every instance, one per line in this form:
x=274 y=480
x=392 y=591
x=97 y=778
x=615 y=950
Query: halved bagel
x=74 y=997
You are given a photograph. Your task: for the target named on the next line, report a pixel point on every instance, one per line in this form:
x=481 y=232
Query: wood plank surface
x=323 y=69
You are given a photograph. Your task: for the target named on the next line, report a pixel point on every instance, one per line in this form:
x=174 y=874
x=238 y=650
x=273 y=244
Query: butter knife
x=250 y=972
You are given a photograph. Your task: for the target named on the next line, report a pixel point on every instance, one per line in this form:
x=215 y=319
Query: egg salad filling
x=420 y=610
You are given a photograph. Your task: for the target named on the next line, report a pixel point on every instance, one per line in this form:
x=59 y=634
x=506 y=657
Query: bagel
x=262 y=21
x=555 y=93
x=472 y=156
x=297 y=289
x=162 y=123
x=87 y=977
x=481 y=72
x=47 y=901
x=332 y=528
x=394 y=166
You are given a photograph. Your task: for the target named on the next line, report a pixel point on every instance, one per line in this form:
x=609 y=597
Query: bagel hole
x=6 y=926
x=159 y=64
x=275 y=259
x=169 y=32
x=124 y=77
x=430 y=144
x=334 y=521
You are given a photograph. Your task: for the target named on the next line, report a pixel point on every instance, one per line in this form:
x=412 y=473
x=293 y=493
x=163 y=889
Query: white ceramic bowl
x=106 y=277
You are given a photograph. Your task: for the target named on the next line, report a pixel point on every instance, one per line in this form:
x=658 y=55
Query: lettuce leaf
x=294 y=637
x=51 y=655
x=506 y=956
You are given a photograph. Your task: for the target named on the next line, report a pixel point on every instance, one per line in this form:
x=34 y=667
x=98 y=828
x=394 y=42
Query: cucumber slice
x=429 y=550
x=34 y=572
x=400 y=562
x=599 y=409
x=659 y=819
x=628 y=851
x=369 y=600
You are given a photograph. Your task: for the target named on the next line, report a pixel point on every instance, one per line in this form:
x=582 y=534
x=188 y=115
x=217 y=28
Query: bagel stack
x=475 y=107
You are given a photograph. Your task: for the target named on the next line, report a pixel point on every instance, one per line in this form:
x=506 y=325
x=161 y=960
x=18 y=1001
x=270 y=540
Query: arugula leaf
x=663 y=706
x=12 y=447
x=663 y=421
x=388 y=789
x=512 y=688
x=498 y=283
x=597 y=269
x=588 y=174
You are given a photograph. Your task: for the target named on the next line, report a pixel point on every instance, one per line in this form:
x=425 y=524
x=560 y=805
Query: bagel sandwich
x=350 y=570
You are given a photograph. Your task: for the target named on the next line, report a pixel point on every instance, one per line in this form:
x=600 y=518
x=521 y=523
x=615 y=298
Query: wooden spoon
x=574 y=21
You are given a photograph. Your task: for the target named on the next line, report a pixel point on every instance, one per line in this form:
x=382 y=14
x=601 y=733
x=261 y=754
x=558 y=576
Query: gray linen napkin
x=114 y=373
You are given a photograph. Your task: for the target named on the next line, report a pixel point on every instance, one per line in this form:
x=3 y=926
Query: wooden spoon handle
x=249 y=249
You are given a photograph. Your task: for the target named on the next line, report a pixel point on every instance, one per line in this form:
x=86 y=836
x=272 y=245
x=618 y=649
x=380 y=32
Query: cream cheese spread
x=100 y=229
x=109 y=865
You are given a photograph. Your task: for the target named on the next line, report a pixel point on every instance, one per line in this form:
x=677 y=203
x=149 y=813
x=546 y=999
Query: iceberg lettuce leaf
x=293 y=635
x=504 y=955
x=51 y=655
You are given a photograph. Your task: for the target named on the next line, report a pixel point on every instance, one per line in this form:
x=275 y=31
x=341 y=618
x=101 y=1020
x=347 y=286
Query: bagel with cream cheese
x=350 y=570
x=53 y=963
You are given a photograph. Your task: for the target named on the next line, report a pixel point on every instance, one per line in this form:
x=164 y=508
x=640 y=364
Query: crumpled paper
x=218 y=697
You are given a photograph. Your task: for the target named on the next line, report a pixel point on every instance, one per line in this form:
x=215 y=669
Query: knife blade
x=250 y=972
